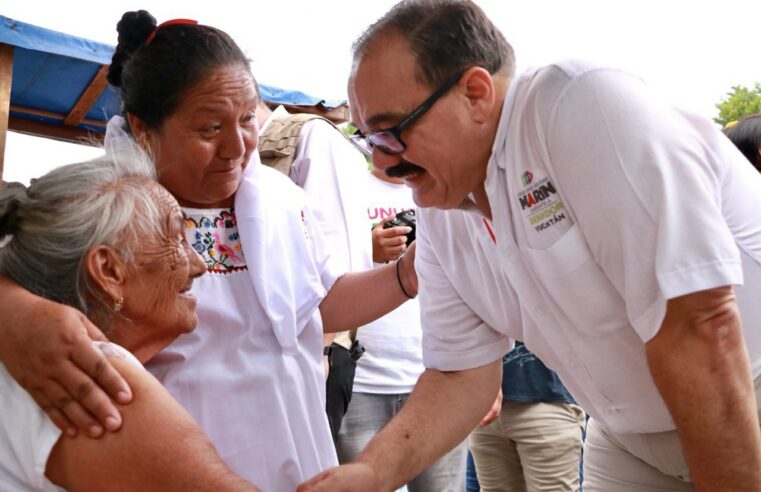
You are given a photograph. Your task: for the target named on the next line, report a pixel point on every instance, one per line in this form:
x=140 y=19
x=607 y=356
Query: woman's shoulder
x=273 y=177
x=269 y=186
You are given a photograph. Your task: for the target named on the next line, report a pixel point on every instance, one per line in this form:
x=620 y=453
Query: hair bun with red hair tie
x=172 y=22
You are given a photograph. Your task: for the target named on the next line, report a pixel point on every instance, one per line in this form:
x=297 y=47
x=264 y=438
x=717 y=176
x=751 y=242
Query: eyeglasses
x=389 y=140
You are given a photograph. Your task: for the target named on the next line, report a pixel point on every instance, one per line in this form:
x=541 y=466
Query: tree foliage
x=739 y=102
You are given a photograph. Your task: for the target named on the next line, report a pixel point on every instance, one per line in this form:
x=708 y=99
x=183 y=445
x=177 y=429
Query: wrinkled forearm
x=700 y=365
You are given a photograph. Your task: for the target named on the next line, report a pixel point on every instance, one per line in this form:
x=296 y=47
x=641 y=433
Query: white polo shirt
x=468 y=311
x=607 y=202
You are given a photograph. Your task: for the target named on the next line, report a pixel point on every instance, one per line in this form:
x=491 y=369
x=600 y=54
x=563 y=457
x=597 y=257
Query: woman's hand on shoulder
x=47 y=348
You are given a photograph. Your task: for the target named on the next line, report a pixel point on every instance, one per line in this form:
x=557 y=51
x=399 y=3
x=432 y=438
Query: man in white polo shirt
x=627 y=256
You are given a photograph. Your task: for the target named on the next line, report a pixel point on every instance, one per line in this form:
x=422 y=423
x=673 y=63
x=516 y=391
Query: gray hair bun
x=12 y=195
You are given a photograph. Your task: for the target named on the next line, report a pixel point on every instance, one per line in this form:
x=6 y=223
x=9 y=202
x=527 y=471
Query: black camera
x=403 y=218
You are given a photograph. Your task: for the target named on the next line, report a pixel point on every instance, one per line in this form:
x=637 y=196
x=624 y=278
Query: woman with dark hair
x=252 y=373
x=746 y=135
x=104 y=238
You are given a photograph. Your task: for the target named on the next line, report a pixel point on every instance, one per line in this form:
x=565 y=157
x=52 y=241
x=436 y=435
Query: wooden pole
x=6 y=78
x=63 y=133
x=88 y=98
x=54 y=116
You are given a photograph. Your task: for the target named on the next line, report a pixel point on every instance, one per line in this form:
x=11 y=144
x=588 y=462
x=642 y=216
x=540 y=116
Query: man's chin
x=428 y=200
x=431 y=200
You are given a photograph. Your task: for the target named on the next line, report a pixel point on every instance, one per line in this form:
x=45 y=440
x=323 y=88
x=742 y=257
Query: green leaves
x=740 y=101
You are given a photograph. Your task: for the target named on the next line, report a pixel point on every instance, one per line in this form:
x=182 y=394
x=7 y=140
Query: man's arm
x=159 y=448
x=441 y=411
x=47 y=348
x=699 y=363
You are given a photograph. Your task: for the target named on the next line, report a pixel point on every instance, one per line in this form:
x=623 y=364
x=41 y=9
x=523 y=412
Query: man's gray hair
x=53 y=224
x=445 y=36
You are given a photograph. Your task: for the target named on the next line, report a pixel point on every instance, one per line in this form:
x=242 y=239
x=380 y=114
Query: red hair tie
x=167 y=23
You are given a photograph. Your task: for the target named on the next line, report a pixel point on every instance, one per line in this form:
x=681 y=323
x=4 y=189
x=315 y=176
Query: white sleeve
x=332 y=173
x=27 y=437
x=454 y=337
x=330 y=269
x=643 y=181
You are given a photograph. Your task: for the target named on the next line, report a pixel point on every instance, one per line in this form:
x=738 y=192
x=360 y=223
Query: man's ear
x=106 y=270
x=481 y=93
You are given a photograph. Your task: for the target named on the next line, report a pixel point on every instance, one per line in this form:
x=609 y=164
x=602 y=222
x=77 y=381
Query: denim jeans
x=471 y=478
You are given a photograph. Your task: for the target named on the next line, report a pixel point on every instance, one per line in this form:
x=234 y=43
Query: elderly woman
x=251 y=374
x=104 y=238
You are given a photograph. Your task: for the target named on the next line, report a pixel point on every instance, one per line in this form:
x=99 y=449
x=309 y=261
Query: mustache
x=402 y=169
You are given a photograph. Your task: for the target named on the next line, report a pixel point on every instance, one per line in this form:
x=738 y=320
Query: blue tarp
x=296 y=98
x=51 y=70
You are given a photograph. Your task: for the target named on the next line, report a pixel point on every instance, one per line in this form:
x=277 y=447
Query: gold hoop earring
x=118 y=304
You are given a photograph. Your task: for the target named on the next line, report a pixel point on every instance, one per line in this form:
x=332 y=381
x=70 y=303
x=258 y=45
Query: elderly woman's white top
x=253 y=376
x=27 y=435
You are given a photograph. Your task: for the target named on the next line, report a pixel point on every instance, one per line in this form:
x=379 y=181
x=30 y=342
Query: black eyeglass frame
x=396 y=131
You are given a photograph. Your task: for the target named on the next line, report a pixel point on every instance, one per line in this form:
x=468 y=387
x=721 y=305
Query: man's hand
x=344 y=478
x=389 y=244
x=494 y=411
x=47 y=348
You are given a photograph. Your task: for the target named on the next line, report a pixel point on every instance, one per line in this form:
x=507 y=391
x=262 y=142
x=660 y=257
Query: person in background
x=535 y=443
x=251 y=374
x=746 y=135
x=318 y=158
x=393 y=358
x=104 y=238
x=625 y=252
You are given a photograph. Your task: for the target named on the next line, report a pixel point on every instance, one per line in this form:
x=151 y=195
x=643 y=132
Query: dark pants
x=338 y=387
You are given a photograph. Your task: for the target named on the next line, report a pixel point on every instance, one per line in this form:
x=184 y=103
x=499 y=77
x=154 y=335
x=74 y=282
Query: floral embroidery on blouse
x=214 y=235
